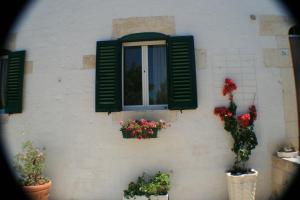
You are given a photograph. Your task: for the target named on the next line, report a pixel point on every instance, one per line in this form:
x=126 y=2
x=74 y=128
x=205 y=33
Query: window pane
x=3 y=77
x=133 y=76
x=157 y=67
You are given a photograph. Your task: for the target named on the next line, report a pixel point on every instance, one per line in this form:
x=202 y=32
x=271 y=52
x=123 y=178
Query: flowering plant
x=241 y=128
x=30 y=165
x=142 y=128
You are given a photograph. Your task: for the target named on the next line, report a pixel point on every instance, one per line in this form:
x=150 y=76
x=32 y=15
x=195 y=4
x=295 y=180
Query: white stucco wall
x=86 y=155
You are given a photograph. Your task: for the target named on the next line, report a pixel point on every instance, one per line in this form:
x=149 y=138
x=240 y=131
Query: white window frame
x=145 y=82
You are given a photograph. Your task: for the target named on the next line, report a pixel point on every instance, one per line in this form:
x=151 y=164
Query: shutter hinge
x=108 y=113
x=181 y=111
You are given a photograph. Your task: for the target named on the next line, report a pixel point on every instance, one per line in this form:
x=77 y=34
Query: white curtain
x=157 y=72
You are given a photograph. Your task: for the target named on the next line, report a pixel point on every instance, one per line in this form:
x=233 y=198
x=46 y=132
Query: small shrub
x=30 y=165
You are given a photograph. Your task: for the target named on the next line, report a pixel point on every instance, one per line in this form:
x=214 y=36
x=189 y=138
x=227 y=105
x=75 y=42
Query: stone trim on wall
x=201 y=58
x=125 y=26
x=89 y=62
x=28 y=67
x=278 y=27
x=280 y=57
x=271 y=25
x=277 y=57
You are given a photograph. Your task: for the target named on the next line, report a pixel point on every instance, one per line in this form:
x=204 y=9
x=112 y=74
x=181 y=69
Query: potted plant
x=142 y=128
x=149 y=188
x=287 y=151
x=29 y=166
x=241 y=180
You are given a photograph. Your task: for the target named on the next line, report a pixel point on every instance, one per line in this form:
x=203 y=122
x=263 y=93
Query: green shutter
x=108 y=76
x=15 y=76
x=182 y=87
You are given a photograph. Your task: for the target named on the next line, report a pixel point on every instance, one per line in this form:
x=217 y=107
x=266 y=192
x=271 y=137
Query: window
x=144 y=75
x=3 y=80
x=11 y=81
x=145 y=71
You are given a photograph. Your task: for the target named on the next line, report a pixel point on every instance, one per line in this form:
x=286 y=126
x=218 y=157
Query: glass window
x=133 y=76
x=145 y=75
x=157 y=74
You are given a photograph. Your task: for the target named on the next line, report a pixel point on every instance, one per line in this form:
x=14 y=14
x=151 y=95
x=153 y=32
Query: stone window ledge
x=295 y=160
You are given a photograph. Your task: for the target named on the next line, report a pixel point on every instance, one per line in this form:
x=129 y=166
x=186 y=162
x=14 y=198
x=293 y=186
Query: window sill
x=167 y=115
x=145 y=109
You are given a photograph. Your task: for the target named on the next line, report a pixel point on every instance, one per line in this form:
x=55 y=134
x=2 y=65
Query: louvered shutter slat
x=108 y=76
x=182 y=91
x=15 y=77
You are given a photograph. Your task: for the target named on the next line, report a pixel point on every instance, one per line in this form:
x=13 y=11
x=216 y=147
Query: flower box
x=127 y=135
x=152 y=197
x=142 y=128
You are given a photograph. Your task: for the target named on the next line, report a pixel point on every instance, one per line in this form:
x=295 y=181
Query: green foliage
x=30 y=165
x=157 y=185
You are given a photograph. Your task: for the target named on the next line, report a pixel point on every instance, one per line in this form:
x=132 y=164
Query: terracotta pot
x=38 y=192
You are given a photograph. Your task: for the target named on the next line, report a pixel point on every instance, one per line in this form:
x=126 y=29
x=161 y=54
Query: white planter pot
x=152 y=197
x=242 y=187
x=291 y=154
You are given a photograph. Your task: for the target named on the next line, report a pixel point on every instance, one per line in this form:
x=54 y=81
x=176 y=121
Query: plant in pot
x=149 y=188
x=29 y=167
x=142 y=128
x=241 y=180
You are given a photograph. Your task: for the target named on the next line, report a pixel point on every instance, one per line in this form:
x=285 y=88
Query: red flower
x=222 y=112
x=244 y=119
x=229 y=86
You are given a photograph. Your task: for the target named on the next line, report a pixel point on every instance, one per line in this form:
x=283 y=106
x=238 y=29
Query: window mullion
x=146 y=88
x=145 y=76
